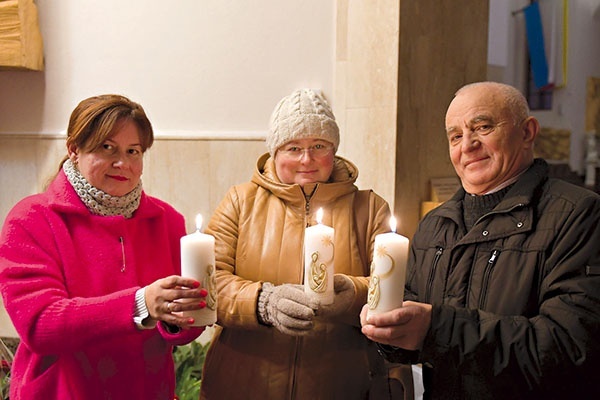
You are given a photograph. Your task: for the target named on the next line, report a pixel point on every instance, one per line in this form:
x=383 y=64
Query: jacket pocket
x=487 y=273
x=49 y=384
x=592 y=270
x=436 y=259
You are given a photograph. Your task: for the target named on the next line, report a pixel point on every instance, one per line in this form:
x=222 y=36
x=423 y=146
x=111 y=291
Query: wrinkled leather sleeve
x=237 y=297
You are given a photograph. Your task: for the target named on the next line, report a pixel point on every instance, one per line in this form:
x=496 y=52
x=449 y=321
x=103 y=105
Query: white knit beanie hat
x=303 y=114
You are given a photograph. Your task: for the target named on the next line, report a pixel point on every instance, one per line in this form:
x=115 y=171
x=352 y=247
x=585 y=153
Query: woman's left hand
x=166 y=298
x=345 y=294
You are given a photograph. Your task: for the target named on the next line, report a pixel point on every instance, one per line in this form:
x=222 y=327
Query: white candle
x=318 y=260
x=388 y=271
x=198 y=262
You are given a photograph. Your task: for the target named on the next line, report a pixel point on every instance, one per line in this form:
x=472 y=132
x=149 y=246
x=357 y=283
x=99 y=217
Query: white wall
x=199 y=68
x=584 y=61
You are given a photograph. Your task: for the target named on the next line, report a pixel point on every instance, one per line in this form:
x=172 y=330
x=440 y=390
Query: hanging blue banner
x=535 y=43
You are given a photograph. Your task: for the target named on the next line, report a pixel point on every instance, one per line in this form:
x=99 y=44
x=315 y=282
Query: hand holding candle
x=198 y=262
x=318 y=261
x=388 y=271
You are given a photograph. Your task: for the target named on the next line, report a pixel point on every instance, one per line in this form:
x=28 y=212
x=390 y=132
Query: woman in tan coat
x=276 y=342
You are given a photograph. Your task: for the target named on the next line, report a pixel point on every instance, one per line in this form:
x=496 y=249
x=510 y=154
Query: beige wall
x=194 y=175
x=366 y=85
x=191 y=174
x=443 y=46
x=26 y=165
x=398 y=64
x=6 y=327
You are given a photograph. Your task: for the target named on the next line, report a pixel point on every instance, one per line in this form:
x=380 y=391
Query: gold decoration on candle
x=327 y=241
x=318 y=274
x=211 y=287
x=374 y=293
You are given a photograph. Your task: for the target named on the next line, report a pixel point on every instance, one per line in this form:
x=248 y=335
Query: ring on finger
x=169 y=303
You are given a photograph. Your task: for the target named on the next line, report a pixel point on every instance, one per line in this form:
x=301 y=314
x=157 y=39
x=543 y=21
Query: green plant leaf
x=189 y=360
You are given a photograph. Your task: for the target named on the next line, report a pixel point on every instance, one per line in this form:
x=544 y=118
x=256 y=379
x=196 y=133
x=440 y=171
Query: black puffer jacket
x=516 y=299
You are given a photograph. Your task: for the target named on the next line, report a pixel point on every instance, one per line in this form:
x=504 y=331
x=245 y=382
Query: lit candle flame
x=198 y=222
x=319 y=215
x=393 y=224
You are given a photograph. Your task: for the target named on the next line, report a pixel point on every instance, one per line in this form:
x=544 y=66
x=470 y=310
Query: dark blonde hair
x=95 y=119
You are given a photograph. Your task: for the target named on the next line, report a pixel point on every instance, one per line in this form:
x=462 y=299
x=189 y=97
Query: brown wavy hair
x=95 y=119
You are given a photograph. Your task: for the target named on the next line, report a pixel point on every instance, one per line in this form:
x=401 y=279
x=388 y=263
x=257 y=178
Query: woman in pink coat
x=89 y=269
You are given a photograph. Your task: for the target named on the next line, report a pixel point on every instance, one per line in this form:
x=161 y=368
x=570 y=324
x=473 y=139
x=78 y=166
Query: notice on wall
x=592 y=105
x=444 y=188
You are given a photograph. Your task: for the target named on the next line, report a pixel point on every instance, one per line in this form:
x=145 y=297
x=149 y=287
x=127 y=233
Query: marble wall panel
x=371 y=145
x=366 y=90
x=26 y=166
x=192 y=175
x=6 y=327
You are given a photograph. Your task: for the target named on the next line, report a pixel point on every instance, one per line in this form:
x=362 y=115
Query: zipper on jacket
x=307 y=197
x=486 y=277
x=436 y=259
x=121 y=240
x=298 y=344
x=307 y=212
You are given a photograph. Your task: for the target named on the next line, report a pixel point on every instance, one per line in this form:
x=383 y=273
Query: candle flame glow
x=393 y=224
x=198 y=222
x=319 y=215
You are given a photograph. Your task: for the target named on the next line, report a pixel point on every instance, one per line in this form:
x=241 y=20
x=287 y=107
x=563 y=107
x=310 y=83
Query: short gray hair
x=513 y=98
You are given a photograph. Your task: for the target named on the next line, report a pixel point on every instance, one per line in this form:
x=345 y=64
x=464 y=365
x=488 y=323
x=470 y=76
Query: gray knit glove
x=345 y=293
x=287 y=308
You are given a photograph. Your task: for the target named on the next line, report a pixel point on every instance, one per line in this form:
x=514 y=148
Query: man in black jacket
x=502 y=297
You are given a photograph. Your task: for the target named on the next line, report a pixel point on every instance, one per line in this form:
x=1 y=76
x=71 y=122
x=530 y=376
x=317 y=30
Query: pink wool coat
x=72 y=302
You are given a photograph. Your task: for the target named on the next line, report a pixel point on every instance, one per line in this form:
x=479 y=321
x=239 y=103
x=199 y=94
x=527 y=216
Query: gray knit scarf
x=99 y=202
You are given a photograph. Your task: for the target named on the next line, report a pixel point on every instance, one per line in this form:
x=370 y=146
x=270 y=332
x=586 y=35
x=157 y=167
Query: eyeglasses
x=296 y=153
